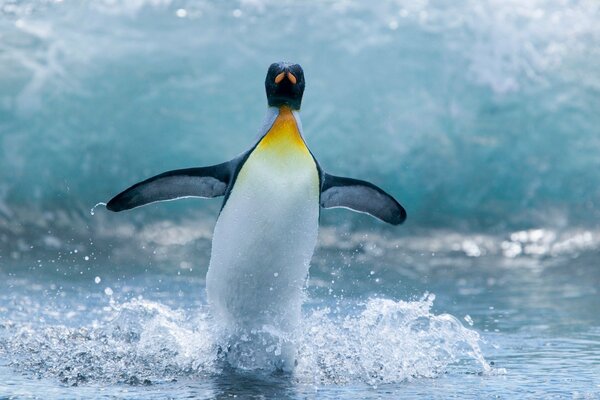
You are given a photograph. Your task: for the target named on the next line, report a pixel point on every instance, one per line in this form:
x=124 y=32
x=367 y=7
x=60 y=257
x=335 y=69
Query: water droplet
x=469 y=320
x=97 y=279
x=86 y=258
x=108 y=291
x=181 y=13
x=92 y=210
x=276 y=274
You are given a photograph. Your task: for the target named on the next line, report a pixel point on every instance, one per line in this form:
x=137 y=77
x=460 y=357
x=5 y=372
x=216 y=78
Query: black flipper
x=360 y=196
x=204 y=182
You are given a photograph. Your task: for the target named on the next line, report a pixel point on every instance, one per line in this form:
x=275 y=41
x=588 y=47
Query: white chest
x=266 y=234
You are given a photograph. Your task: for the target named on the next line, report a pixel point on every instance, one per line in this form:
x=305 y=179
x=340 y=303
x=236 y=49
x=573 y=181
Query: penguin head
x=285 y=85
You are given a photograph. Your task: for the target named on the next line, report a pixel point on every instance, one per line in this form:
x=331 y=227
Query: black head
x=285 y=85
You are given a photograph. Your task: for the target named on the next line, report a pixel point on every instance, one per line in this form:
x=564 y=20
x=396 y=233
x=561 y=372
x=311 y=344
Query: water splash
x=137 y=342
x=389 y=341
x=143 y=342
x=93 y=209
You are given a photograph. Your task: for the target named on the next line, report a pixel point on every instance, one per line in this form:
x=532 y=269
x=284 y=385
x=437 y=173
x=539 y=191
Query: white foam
x=143 y=341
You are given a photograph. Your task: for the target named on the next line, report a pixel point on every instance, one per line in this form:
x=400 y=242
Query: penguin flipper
x=203 y=182
x=360 y=196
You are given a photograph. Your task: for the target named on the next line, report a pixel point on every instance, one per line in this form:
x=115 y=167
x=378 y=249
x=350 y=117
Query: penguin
x=266 y=231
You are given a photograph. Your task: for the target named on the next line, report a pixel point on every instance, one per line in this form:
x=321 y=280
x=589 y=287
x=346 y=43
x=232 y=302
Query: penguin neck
x=284 y=133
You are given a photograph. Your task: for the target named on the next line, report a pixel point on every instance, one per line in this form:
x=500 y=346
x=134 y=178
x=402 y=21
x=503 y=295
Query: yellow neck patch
x=284 y=137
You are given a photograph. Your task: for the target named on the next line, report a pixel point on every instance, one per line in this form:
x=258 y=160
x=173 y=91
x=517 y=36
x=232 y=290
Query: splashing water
x=93 y=209
x=387 y=341
x=143 y=342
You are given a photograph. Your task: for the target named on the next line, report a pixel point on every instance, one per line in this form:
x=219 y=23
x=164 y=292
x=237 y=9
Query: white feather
x=263 y=242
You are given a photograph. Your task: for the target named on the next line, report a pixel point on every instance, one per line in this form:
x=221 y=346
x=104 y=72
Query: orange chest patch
x=284 y=137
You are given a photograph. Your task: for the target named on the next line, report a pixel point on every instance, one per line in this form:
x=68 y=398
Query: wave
x=479 y=115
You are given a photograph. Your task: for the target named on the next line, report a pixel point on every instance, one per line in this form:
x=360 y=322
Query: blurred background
x=477 y=116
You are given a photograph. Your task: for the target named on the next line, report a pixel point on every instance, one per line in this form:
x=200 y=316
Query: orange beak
x=291 y=77
x=282 y=75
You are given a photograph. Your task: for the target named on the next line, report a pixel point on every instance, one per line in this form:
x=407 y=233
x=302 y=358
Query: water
x=481 y=117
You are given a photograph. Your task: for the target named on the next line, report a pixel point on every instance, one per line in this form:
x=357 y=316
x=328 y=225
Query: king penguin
x=267 y=229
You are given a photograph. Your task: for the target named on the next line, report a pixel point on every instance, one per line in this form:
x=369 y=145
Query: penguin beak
x=280 y=77
x=291 y=78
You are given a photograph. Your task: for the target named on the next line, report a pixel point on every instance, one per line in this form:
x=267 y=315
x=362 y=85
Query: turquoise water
x=480 y=117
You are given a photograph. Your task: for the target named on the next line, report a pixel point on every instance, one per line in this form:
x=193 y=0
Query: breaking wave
x=504 y=136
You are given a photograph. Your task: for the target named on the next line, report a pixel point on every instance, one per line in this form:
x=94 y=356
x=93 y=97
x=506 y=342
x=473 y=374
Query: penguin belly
x=265 y=236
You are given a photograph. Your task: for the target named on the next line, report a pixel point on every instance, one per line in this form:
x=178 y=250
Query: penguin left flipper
x=204 y=182
x=360 y=196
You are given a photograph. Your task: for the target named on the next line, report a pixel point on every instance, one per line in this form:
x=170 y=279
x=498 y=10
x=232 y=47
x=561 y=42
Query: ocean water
x=481 y=117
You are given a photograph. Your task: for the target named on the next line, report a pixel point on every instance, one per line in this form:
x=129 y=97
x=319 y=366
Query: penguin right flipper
x=360 y=196
x=203 y=182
